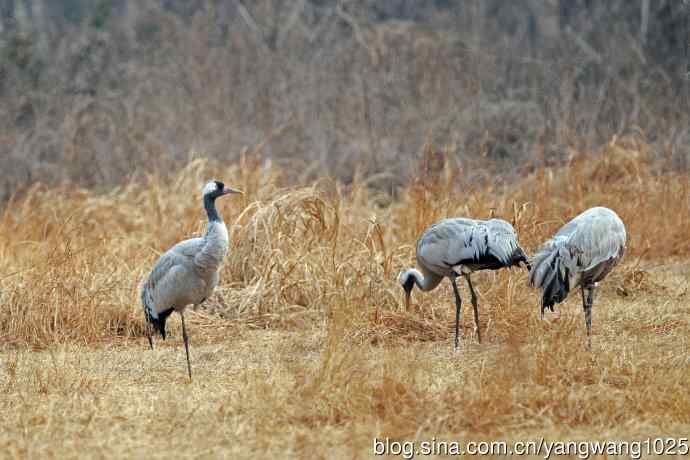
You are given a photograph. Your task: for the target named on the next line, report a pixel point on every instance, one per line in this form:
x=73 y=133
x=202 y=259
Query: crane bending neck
x=425 y=283
x=210 y=206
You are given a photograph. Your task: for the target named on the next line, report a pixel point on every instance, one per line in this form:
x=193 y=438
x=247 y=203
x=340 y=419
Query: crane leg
x=458 y=304
x=149 y=334
x=476 y=309
x=186 y=345
x=587 y=301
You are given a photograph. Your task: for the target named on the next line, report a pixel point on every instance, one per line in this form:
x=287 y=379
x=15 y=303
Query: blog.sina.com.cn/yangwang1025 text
x=540 y=447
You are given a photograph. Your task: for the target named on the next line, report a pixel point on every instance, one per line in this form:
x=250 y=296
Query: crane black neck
x=210 y=206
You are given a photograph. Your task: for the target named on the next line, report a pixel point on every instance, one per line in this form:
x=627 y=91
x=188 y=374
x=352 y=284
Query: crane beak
x=407 y=300
x=229 y=190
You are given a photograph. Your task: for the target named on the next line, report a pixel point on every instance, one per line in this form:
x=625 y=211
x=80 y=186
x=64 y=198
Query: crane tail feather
x=159 y=323
x=157 y=320
x=550 y=272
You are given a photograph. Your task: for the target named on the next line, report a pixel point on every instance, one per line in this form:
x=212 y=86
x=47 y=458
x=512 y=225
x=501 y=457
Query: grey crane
x=459 y=247
x=581 y=254
x=188 y=272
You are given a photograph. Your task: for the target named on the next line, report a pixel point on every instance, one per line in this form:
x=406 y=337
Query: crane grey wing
x=503 y=242
x=596 y=238
x=470 y=244
x=484 y=245
x=454 y=243
x=150 y=289
x=164 y=263
x=177 y=255
x=188 y=248
x=175 y=289
x=162 y=283
x=446 y=243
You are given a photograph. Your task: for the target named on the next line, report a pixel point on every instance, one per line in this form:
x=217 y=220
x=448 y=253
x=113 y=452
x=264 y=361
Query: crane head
x=215 y=188
x=407 y=282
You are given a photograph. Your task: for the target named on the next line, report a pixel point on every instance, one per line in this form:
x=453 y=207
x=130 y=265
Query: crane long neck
x=211 y=211
x=216 y=240
x=427 y=281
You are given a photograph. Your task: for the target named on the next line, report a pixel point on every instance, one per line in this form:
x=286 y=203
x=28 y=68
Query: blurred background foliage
x=96 y=91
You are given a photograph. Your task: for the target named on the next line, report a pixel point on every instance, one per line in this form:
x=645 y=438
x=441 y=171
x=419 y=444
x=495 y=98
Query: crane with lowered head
x=458 y=247
x=581 y=253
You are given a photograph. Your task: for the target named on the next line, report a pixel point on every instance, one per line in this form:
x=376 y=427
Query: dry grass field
x=305 y=351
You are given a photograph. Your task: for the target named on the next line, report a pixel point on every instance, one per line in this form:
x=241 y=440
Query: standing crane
x=459 y=247
x=581 y=254
x=188 y=272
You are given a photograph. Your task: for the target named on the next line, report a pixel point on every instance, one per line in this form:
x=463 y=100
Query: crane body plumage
x=468 y=245
x=187 y=273
x=582 y=253
x=458 y=247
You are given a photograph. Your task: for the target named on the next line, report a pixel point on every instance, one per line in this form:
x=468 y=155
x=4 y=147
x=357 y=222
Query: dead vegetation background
x=97 y=92
x=304 y=350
